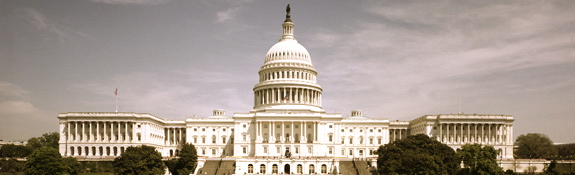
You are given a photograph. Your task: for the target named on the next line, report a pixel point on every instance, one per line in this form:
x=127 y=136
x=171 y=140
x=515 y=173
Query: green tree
x=46 y=140
x=139 y=160
x=12 y=150
x=46 y=160
x=417 y=154
x=11 y=165
x=187 y=161
x=478 y=159
x=534 y=146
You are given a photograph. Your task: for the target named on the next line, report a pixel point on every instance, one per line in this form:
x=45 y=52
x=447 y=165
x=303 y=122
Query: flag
x=286 y=97
x=116 y=92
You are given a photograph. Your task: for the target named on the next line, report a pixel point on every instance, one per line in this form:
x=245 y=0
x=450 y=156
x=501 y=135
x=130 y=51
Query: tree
x=534 y=146
x=478 y=159
x=139 y=160
x=417 y=154
x=187 y=161
x=46 y=140
x=47 y=161
x=11 y=166
x=12 y=150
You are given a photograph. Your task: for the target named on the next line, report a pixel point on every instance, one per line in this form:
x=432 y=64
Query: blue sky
x=392 y=59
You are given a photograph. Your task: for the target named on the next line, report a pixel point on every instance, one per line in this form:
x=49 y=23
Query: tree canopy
x=46 y=140
x=417 y=154
x=478 y=160
x=139 y=160
x=11 y=150
x=47 y=160
x=187 y=161
x=534 y=146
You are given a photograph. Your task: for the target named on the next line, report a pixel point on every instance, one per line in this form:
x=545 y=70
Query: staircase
x=346 y=167
x=218 y=167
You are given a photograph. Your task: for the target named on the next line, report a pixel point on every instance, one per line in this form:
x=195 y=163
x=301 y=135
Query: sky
x=395 y=60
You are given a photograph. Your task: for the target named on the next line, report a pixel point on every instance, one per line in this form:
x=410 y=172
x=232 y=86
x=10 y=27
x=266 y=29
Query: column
x=441 y=133
x=273 y=128
x=283 y=139
x=91 y=136
x=482 y=133
x=112 y=134
x=292 y=135
x=168 y=142
x=126 y=132
x=68 y=133
x=304 y=134
x=314 y=131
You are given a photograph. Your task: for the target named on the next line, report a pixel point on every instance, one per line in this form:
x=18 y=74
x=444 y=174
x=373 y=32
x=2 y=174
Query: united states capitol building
x=286 y=131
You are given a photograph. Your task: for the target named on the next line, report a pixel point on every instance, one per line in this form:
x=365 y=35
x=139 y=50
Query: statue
x=288 y=9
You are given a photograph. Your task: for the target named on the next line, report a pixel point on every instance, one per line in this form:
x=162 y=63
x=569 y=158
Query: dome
x=288 y=51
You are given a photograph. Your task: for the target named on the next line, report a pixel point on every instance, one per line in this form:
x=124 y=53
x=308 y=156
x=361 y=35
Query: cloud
x=8 y=89
x=17 y=108
x=129 y=2
x=435 y=54
x=229 y=14
x=51 y=29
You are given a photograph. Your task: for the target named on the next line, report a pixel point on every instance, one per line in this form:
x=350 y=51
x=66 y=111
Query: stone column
x=68 y=134
x=112 y=134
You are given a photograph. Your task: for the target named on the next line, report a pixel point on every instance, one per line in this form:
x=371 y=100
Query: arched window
x=250 y=168
x=275 y=168
x=299 y=168
x=262 y=169
x=71 y=150
x=323 y=168
x=311 y=169
x=93 y=150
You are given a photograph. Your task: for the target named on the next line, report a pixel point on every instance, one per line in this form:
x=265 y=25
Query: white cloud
x=8 y=89
x=17 y=108
x=229 y=14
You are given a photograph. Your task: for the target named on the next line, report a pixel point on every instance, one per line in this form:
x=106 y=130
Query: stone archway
x=287 y=169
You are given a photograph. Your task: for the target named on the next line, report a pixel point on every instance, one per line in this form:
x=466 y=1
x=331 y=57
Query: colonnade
x=100 y=131
x=288 y=74
x=288 y=132
x=485 y=133
x=173 y=136
x=95 y=150
x=397 y=134
x=287 y=95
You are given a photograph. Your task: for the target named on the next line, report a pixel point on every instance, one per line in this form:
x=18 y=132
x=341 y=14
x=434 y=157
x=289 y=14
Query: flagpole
x=116 y=94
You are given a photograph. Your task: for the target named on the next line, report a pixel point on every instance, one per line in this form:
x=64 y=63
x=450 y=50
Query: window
x=350 y=130
x=342 y=140
x=351 y=140
x=370 y=140
x=245 y=150
x=213 y=151
x=370 y=130
x=361 y=130
x=379 y=141
x=275 y=168
x=265 y=149
x=214 y=139
x=195 y=140
x=278 y=149
x=195 y=129
x=311 y=169
x=299 y=168
x=214 y=129
x=343 y=152
x=244 y=137
x=203 y=129
x=330 y=126
x=309 y=150
x=224 y=140
x=250 y=168
x=287 y=126
x=297 y=150
x=330 y=138
x=262 y=169
x=278 y=126
x=203 y=151
x=224 y=129
x=379 y=130
x=203 y=140
x=330 y=150
x=323 y=168
x=342 y=130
